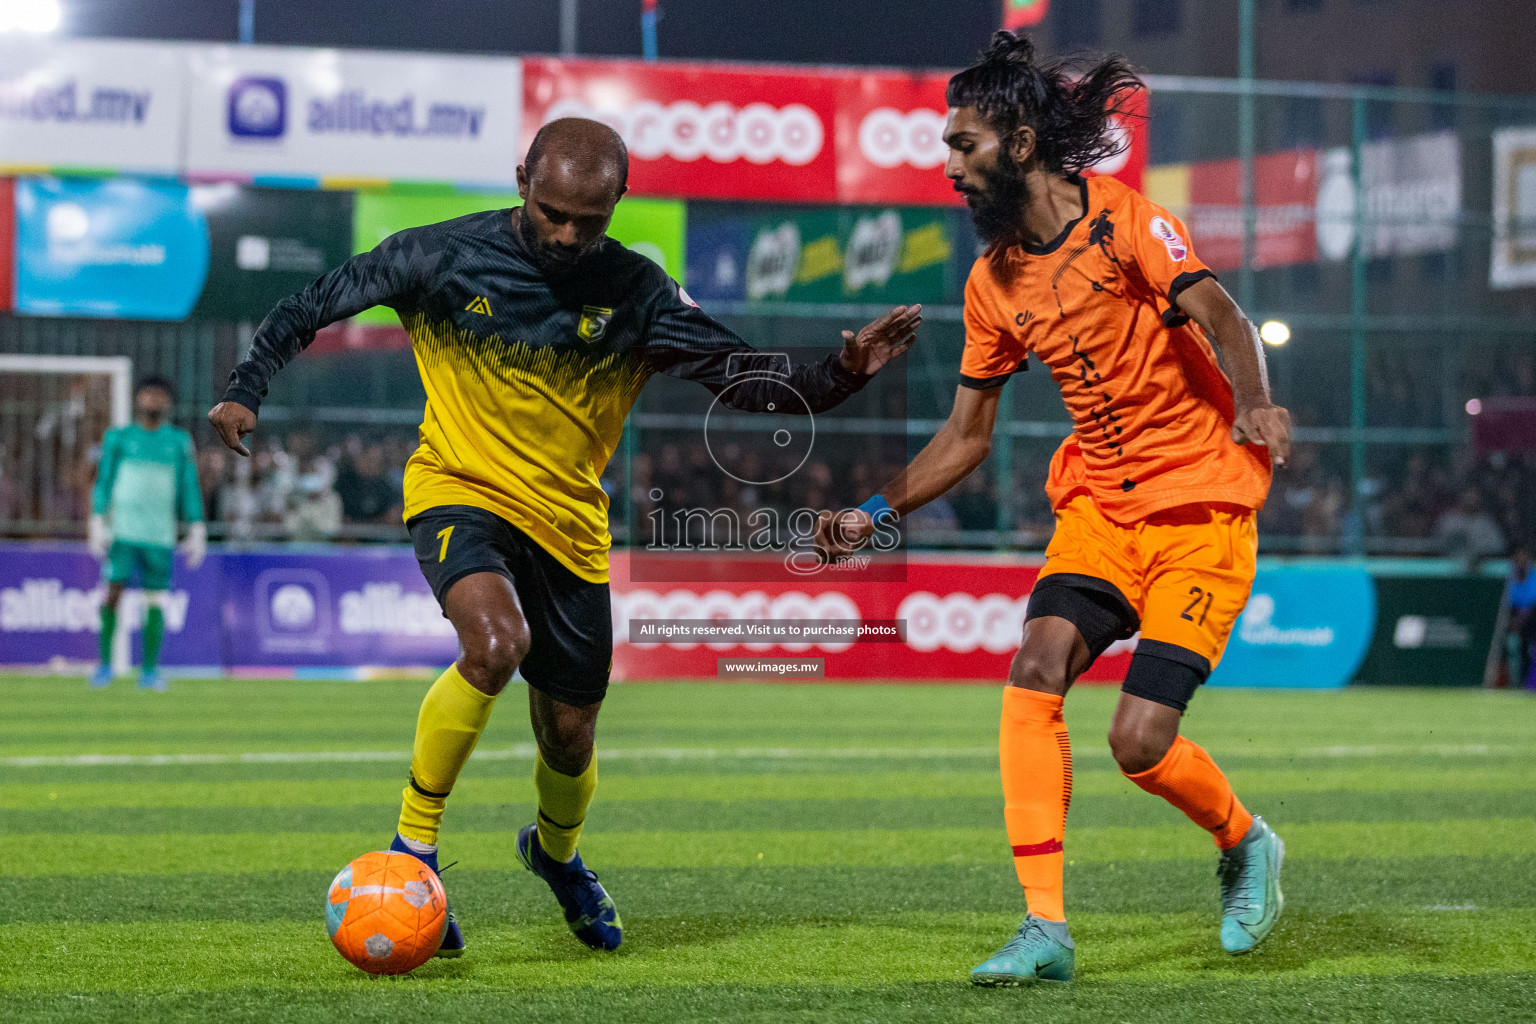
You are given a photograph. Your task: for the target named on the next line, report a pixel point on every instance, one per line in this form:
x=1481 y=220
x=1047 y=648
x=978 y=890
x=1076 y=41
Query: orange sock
x=1187 y=778
x=1037 y=787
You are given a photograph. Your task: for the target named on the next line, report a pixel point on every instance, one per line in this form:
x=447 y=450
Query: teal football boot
x=1041 y=951
x=1251 y=900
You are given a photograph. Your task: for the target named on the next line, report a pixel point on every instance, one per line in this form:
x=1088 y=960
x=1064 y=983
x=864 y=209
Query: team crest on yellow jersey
x=594 y=322
x=480 y=305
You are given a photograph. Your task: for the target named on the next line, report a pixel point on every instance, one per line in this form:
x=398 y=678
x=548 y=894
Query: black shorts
x=569 y=622
x=1160 y=672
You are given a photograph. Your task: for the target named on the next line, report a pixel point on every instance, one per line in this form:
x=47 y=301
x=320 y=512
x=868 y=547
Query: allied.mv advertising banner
x=91 y=105
x=338 y=116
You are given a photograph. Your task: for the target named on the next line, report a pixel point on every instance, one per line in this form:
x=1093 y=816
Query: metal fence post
x=1355 y=541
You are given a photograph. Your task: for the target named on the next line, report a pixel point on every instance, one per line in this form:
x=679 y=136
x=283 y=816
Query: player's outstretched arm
x=881 y=340
x=386 y=276
x=1258 y=420
x=685 y=342
x=954 y=453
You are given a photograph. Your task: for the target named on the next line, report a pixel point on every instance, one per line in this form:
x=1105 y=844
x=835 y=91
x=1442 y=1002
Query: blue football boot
x=453 y=938
x=589 y=910
x=1041 y=951
x=102 y=677
x=153 y=681
x=1251 y=900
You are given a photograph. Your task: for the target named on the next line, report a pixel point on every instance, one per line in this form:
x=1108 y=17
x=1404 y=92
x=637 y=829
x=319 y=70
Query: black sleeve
x=688 y=343
x=387 y=276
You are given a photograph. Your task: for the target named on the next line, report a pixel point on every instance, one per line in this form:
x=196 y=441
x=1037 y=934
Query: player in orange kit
x=1155 y=492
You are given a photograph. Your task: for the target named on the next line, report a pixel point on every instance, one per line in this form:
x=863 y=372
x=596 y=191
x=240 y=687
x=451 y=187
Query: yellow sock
x=563 y=801
x=452 y=717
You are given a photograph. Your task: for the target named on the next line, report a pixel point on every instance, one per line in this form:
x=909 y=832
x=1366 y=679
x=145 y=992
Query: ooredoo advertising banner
x=90 y=105
x=115 y=248
x=962 y=617
x=700 y=131
x=890 y=139
x=268 y=112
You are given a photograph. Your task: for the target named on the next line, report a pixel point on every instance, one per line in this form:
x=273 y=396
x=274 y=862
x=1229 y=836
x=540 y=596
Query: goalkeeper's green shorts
x=151 y=563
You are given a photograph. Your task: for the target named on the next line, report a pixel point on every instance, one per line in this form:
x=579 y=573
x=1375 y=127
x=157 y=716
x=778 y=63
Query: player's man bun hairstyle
x=1067 y=101
x=154 y=380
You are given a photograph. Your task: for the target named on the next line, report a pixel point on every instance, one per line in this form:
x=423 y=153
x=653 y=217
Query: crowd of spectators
x=305 y=485
x=1421 y=505
x=296 y=486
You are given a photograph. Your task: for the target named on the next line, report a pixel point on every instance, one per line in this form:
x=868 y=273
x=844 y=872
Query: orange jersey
x=1151 y=408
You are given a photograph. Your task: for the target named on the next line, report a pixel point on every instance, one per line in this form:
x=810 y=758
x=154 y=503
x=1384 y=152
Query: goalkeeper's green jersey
x=146 y=482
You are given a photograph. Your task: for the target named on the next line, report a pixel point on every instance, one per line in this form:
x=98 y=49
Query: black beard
x=998 y=208
x=544 y=255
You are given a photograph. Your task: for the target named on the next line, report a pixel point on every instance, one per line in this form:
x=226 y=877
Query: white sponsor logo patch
x=1163 y=232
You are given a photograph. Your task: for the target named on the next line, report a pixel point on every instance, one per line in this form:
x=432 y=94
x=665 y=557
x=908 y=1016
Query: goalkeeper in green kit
x=146 y=484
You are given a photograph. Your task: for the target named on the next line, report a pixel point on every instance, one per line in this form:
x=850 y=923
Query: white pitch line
x=519 y=752
x=525 y=752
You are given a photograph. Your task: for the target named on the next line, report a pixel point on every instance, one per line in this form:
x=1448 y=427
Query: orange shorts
x=1185 y=572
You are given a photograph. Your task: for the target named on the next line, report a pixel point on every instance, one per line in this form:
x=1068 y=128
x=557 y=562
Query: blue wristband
x=876 y=505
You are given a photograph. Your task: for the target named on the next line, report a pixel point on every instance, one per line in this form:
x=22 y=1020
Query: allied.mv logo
x=593 y=323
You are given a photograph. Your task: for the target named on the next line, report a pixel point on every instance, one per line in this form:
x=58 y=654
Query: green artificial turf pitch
x=816 y=853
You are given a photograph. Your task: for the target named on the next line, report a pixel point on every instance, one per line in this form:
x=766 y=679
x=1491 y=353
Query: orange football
x=387 y=913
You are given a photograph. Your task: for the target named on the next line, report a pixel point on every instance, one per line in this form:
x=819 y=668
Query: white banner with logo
x=260 y=112
x=1514 y=209
x=1412 y=197
x=91 y=105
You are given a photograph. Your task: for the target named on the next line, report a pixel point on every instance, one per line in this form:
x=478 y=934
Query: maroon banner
x=7 y=242
x=699 y=131
x=962 y=620
x=890 y=140
x=1285 y=194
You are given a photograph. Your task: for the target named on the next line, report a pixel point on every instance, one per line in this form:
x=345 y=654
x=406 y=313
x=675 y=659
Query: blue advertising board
x=1304 y=628
x=243 y=610
x=366 y=606
x=114 y=248
x=50 y=595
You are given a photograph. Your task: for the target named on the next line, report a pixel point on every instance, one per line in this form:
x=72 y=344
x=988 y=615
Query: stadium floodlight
x=35 y=16
x=1275 y=332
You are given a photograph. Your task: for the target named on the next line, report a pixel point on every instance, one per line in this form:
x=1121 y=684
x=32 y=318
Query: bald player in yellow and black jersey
x=534 y=333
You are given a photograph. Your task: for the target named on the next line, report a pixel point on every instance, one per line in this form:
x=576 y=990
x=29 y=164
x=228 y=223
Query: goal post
x=54 y=410
x=118 y=370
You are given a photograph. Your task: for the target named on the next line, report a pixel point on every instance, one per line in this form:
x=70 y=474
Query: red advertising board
x=7 y=241
x=890 y=140
x=962 y=618
x=699 y=131
x=1285 y=194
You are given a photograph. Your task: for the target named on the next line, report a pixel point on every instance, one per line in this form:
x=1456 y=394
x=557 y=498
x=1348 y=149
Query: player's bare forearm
x=954 y=453
x=1258 y=420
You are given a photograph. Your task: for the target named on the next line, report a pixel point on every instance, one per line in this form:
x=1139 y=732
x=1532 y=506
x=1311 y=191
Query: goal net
x=53 y=413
